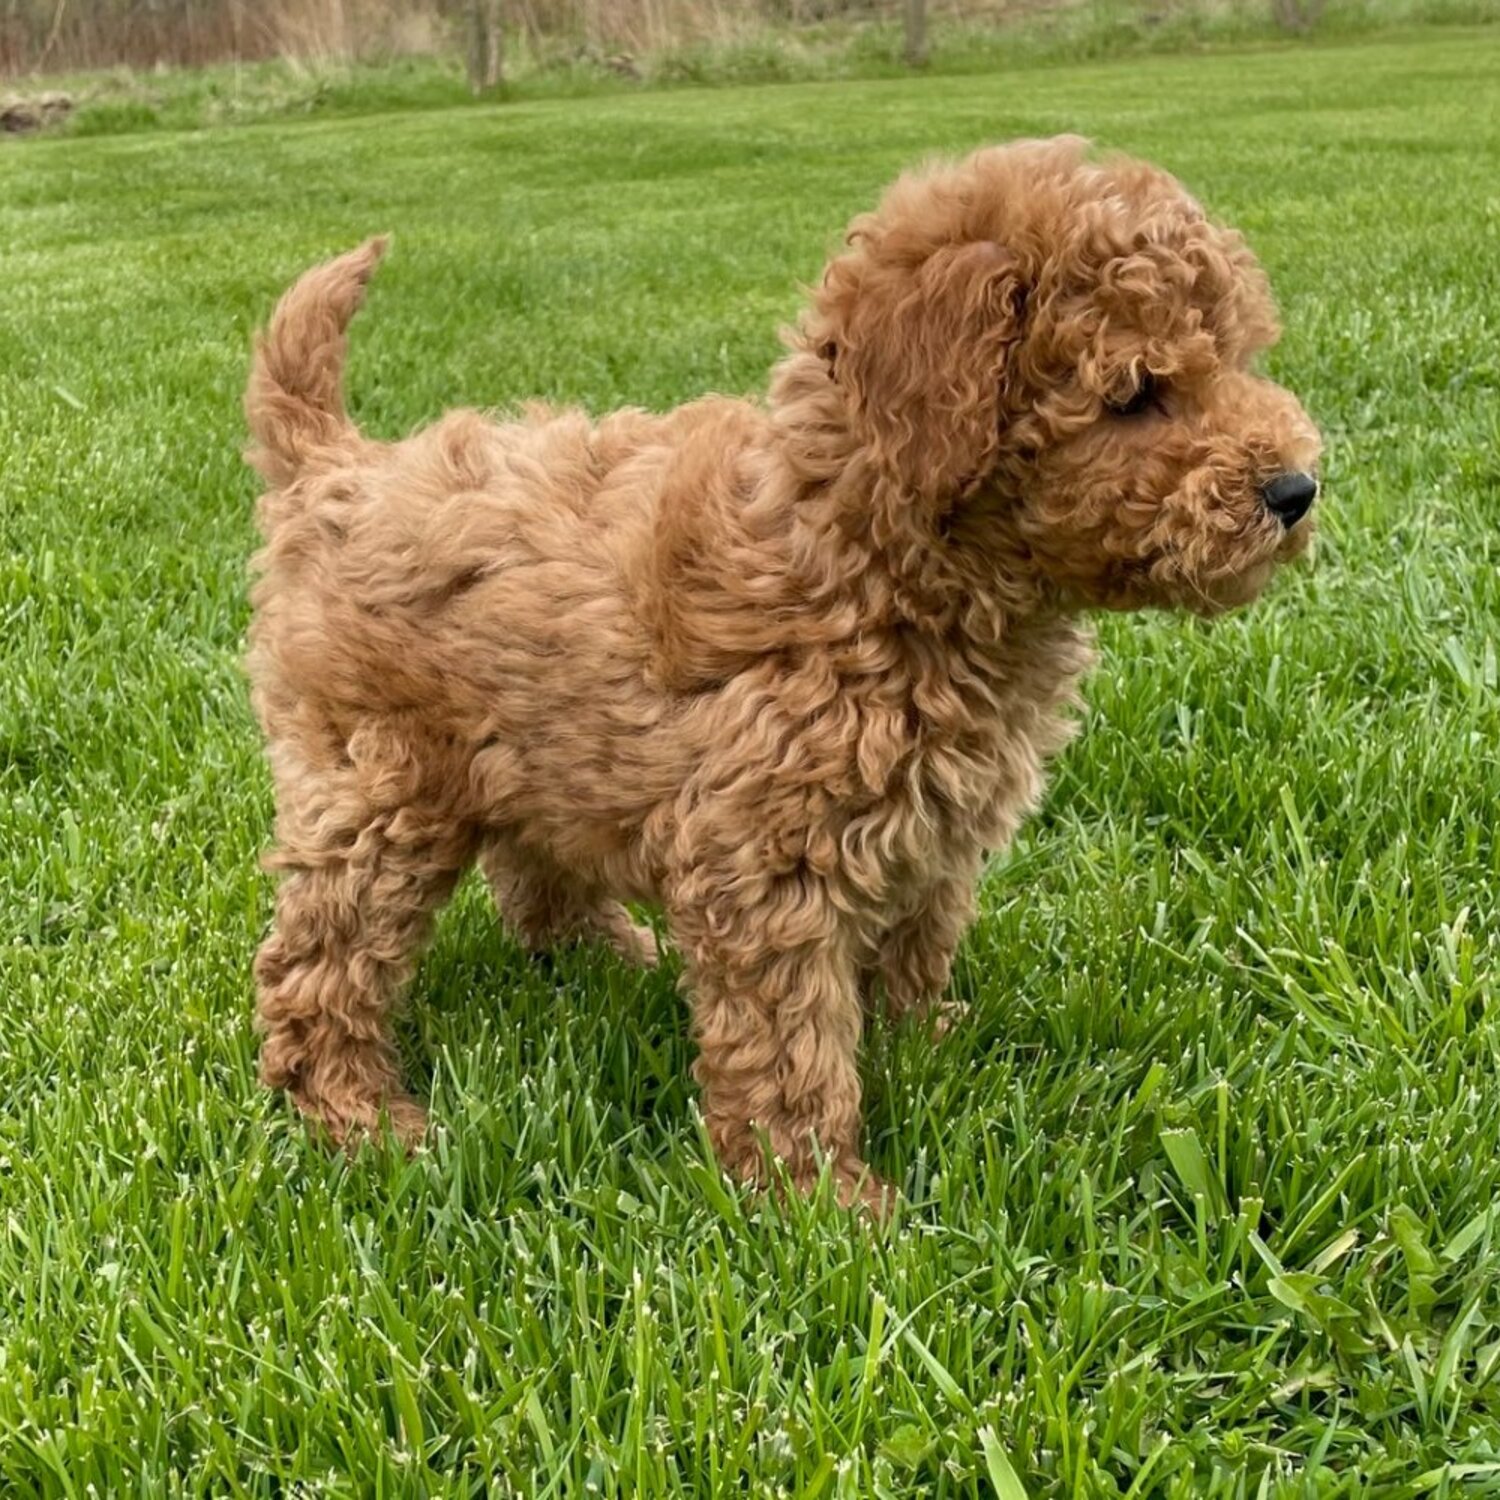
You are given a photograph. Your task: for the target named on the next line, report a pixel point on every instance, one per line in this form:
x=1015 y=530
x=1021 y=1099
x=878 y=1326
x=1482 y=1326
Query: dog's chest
x=986 y=719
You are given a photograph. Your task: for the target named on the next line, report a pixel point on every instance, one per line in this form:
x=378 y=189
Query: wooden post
x=916 y=33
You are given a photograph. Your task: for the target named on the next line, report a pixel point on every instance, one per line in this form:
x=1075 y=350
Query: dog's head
x=1035 y=346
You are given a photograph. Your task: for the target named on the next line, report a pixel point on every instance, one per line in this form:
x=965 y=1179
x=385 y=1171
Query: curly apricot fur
x=790 y=669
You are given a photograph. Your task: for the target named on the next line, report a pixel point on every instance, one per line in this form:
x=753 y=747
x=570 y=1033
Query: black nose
x=1289 y=497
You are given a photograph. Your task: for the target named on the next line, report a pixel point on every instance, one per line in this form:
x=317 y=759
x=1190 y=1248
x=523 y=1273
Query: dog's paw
x=937 y=1017
x=637 y=946
x=855 y=1187
x=407 y=1121
x=945 y=1016
x=349 y=1123
x=865 y=1193
x=631 y=940
x=875 y=1195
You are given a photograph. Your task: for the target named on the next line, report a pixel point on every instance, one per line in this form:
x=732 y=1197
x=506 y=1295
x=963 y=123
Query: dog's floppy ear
x=921 y=351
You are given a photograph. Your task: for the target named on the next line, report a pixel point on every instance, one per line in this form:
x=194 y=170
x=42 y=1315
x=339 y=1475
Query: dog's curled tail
x=295 y=399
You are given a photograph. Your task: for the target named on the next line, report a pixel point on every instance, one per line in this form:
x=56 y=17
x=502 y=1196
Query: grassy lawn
x=1201 y=1201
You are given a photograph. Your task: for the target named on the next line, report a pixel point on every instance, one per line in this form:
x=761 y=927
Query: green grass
x=1202 y=1199
x=124 y=100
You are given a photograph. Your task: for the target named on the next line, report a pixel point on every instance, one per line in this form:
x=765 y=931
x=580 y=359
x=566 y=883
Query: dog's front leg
x=777 y=1019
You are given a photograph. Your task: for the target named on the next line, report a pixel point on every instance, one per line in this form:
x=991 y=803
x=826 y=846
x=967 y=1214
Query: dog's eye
x=1143 y=396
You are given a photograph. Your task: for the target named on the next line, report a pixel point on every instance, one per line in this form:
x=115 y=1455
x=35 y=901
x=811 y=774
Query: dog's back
x=479 y=586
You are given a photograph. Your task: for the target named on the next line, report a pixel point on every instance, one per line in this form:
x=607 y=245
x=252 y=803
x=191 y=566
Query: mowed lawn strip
x=1200 y=1200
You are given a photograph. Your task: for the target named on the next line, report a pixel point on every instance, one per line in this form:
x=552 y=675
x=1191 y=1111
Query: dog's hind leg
x=355 y=906
x=544 y=907
x=916 y=954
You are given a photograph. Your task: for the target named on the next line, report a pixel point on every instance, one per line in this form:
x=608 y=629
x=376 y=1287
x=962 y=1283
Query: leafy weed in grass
x=1200 y=1201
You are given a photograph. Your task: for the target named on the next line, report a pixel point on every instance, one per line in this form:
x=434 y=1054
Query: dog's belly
x=586 y=770
x=568 y=749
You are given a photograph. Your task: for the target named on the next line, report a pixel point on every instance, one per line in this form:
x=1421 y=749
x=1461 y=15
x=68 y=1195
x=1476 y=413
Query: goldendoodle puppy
x=791 y=669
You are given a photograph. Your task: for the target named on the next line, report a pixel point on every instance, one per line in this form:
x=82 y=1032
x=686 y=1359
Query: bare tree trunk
x=1297 y=15
x=916 y=33
x=52 y=36
x=494 y=52
x=486 y=45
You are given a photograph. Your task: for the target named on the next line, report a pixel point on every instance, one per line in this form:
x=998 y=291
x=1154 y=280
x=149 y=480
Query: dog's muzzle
x=1289 y=497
